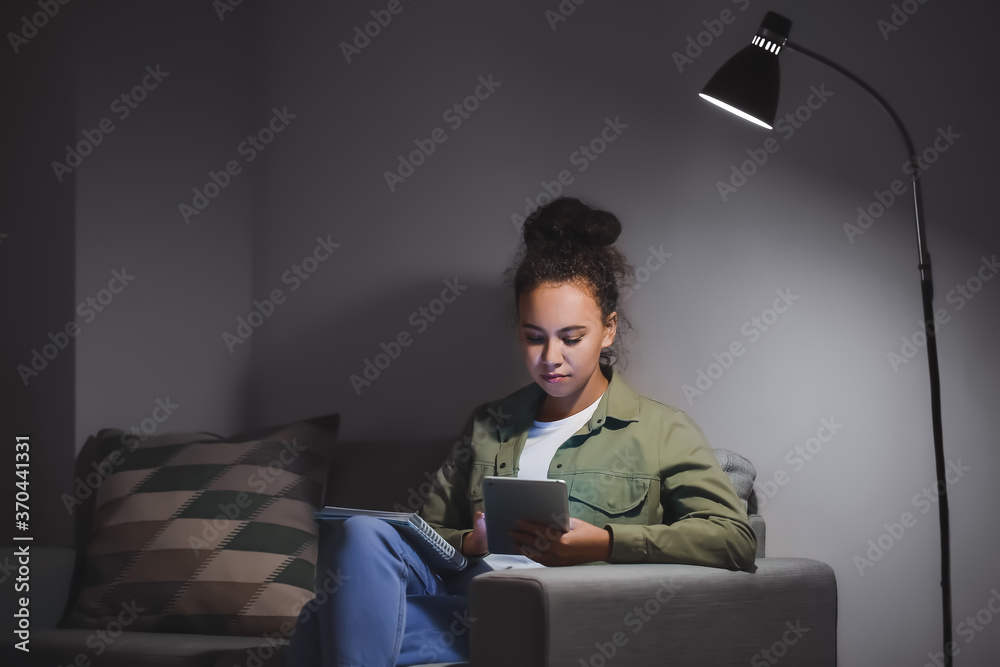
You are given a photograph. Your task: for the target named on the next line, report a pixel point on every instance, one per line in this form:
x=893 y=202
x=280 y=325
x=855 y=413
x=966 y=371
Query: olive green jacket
x=638 y=467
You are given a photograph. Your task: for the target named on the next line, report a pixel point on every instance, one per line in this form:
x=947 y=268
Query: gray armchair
x=652 y=614
x=655 y=615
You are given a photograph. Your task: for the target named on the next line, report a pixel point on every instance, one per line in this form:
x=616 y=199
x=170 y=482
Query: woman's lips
x=554 y=378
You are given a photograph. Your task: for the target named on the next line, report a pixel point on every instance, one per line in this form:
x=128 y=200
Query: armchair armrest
x=655 y=614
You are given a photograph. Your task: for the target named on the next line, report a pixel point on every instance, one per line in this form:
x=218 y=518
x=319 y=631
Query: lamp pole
x=773 y=36
x=927 y=294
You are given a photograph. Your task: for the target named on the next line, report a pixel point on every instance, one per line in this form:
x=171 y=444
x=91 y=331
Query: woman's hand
x=583 y=543
x=474 y=543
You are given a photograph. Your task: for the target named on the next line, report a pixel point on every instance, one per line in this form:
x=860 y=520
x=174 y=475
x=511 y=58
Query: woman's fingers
x=474 y=543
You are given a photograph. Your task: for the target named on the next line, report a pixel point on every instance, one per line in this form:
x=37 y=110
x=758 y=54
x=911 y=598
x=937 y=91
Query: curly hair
x=568 y=241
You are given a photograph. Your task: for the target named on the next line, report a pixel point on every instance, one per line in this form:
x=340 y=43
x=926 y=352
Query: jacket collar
x=515 y=413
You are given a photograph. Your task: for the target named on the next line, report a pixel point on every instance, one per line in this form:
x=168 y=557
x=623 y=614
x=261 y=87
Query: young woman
x=644 y=485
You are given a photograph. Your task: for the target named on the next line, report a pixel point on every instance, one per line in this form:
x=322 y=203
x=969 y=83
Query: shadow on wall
x=403 y=364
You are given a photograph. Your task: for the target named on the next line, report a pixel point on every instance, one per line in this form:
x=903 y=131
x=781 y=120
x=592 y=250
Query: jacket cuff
x=628 y=544
x=454 y=537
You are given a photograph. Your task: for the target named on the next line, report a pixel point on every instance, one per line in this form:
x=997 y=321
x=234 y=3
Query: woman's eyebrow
x=573 y=327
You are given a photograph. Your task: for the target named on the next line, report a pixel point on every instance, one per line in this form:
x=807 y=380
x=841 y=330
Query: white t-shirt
x=544 y=438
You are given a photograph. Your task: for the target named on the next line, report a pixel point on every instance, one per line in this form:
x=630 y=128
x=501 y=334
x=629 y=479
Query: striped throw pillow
x=199 y=534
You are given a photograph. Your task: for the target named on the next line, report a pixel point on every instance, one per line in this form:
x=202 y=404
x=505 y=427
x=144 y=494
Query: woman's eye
x=568 y=341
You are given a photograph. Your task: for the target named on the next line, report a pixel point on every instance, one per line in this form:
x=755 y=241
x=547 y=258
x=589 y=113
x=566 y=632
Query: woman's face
x=561 y=336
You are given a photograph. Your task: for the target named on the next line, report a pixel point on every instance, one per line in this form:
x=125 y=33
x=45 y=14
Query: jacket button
x=503 y=465
x=559 y=465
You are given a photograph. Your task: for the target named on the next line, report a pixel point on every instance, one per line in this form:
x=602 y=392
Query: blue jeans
x=379 y=604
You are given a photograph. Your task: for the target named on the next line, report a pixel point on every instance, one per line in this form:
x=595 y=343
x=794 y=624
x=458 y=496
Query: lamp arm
x=924 y=261
x=927 y=294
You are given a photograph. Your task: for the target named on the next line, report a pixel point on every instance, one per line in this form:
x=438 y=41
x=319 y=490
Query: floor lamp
x=748 y=85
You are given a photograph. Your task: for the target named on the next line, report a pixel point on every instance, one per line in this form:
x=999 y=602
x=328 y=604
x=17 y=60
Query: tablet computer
x=507 y=499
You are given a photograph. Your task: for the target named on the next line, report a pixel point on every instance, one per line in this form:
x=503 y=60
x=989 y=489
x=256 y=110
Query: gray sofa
x=631 y=614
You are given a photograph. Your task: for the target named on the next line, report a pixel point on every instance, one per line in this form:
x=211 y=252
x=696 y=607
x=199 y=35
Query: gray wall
x=37 y=267
x=825 y=358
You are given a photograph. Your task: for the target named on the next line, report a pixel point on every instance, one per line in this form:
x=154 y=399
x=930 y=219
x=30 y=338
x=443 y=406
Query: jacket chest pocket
x=600 y=498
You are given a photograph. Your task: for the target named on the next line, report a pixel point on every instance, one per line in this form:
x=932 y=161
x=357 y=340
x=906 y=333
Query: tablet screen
x=507 y=499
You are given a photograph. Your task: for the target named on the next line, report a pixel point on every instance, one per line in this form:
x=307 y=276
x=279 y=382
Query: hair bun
x=566 y=221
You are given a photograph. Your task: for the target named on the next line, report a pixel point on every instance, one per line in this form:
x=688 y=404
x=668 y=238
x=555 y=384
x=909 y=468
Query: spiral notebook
x=413 y=528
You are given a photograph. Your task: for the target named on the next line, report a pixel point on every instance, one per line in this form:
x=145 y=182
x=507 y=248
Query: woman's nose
x=551 y=354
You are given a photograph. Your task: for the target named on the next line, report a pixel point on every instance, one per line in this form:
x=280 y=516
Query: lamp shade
x=748 y=83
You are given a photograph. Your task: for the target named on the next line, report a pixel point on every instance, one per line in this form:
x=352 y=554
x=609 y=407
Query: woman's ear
x=610 y=329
